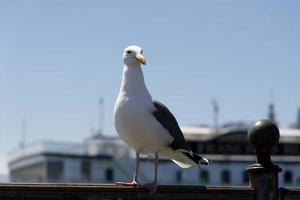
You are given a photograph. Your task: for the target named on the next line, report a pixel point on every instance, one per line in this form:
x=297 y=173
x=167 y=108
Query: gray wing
x=168 y=121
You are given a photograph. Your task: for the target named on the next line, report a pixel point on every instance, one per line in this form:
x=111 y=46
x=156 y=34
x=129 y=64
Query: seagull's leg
x=135 y=175
x=136 y=171
x=153 y=185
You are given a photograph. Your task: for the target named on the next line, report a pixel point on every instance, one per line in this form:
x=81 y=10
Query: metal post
x=263 y=175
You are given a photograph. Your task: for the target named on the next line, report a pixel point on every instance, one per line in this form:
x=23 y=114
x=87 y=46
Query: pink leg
x=153 y=185
x=135 y=175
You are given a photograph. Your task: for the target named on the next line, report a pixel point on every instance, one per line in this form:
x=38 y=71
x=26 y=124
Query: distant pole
x=215 y=113
x=101 y=115
x=271 y=113
x=23 y=132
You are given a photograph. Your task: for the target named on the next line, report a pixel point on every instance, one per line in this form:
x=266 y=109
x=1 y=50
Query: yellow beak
x=140 y=58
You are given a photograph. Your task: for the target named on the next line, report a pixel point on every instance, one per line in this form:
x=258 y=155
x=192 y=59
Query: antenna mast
x=215 y=113
x=23 y=132
x=101 y=115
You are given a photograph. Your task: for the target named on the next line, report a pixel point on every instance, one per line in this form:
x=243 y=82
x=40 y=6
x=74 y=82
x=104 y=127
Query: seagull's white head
x=133 y=55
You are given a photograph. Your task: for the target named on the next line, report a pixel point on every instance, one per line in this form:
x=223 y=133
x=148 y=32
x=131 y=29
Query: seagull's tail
x=197 y=158
x=185 y=158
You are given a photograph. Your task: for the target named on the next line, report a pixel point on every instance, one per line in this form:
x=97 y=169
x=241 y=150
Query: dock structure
x=115 y=192
x=263 y=180
x=108 y=192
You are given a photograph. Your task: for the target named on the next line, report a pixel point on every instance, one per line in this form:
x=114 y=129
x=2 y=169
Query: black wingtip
x=197 y=158
x=205 y=161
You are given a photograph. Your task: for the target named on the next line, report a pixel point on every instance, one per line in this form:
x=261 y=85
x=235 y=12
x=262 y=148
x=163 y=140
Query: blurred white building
x=105 y=159
x=91 y=161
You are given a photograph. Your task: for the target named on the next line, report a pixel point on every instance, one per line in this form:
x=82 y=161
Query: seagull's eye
x=128 y=52
x=141 y=51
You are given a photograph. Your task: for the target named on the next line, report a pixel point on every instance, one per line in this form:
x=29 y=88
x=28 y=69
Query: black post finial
x=264 y=136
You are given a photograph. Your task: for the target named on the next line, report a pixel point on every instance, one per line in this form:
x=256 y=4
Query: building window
x=204 y=176
x=225 y=175
x=179 y=176
x=109 y=174
x=288 y=177
x=193 y=146
x=55 y=171
x=245 y=177
x=85 y=170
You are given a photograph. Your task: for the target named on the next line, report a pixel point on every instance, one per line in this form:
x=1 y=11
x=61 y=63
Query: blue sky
x=58 y=57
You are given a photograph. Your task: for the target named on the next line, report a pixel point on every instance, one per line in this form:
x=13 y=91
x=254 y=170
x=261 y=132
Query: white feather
x=134 y=117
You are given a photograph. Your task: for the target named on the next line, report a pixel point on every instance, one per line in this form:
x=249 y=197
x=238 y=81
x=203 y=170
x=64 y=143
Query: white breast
x=137 y=126
x=134 y=119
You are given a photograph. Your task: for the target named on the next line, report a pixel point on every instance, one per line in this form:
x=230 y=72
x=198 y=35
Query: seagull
x=147 y=125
